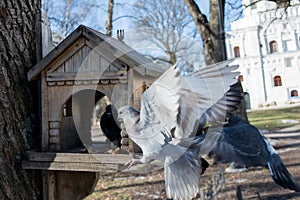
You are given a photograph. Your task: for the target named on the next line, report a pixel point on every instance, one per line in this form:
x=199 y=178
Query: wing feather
x=228 y=103
x=208 y=86
x=178 y=102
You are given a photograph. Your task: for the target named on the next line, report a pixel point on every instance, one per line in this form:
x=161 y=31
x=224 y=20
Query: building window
x=236 y=52
x=241 y=78
x=294 y=94
x=284 y=46
x=248 y=70
x=247 y=100
x=273 y=46
x=284 y=25
x=277 y=81
x=288 y=62
x=287 y=45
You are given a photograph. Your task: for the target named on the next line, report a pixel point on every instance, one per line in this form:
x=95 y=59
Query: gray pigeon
x=169 y=114
x=244 y=144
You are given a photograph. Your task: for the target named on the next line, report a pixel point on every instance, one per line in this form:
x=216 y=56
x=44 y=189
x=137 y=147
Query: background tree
x=108 y=23
x=17 y=111
x=212 y=32
x=66 y=15
x=166 y=25
x=213 y=35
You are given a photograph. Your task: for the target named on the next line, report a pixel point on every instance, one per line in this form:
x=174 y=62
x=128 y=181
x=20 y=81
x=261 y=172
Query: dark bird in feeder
x=109 y=127
x=244 y=144
x=170 y=109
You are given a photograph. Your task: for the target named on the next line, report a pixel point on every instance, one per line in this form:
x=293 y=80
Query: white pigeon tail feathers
x=182 y=176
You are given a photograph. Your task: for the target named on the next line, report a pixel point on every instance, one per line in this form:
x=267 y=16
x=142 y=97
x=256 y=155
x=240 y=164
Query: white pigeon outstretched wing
x=158 y=114
x=160 y=103
x=177 y=102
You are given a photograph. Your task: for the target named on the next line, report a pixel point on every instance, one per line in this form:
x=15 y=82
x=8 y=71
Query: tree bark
x=108 y=24
x=19 y=130
x=217 y=26
x=209 y=31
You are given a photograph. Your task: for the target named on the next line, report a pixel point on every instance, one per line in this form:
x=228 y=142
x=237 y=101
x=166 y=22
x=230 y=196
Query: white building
x=266 y=45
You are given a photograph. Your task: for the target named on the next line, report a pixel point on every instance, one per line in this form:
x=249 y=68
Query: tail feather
x=280 y=174
x=182 y=175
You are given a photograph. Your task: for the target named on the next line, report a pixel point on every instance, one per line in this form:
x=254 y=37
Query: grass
x=271 y=119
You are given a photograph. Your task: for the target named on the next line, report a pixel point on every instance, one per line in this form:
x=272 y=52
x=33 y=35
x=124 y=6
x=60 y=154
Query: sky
x=95 y=14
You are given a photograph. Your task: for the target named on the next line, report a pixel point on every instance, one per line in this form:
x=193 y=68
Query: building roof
x=119 y=49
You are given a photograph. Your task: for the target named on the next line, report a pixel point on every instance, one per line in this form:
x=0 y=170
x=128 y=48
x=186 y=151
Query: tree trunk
x=18 y=120
x=217 y=28
x=209 y=31
x=213 y=36
x=108 y=24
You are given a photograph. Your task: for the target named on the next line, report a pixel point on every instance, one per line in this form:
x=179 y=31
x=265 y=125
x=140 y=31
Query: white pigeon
x=169 y=112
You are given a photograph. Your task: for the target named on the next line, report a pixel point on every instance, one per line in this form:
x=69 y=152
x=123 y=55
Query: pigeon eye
x=120 y=112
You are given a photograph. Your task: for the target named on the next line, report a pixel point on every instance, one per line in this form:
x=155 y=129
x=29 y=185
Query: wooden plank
x=44 y=112
x=112 y=49
x=78 y=157
x=51 y=181
x=45 y=184
x=66 y=55
x=87 y=76
x=74 y=166
x=102 y=51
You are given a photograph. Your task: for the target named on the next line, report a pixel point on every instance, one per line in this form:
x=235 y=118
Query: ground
x=255 y=183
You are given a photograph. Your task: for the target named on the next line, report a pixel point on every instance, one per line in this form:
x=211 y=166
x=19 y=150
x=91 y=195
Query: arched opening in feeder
x=77 y=119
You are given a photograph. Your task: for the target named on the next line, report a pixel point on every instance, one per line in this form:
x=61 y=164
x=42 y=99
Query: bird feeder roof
x=116 y=48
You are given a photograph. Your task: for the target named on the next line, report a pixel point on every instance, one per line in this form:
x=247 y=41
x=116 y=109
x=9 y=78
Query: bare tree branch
x=165 y=27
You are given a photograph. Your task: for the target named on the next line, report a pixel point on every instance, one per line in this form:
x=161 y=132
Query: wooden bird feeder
x=73 y=77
